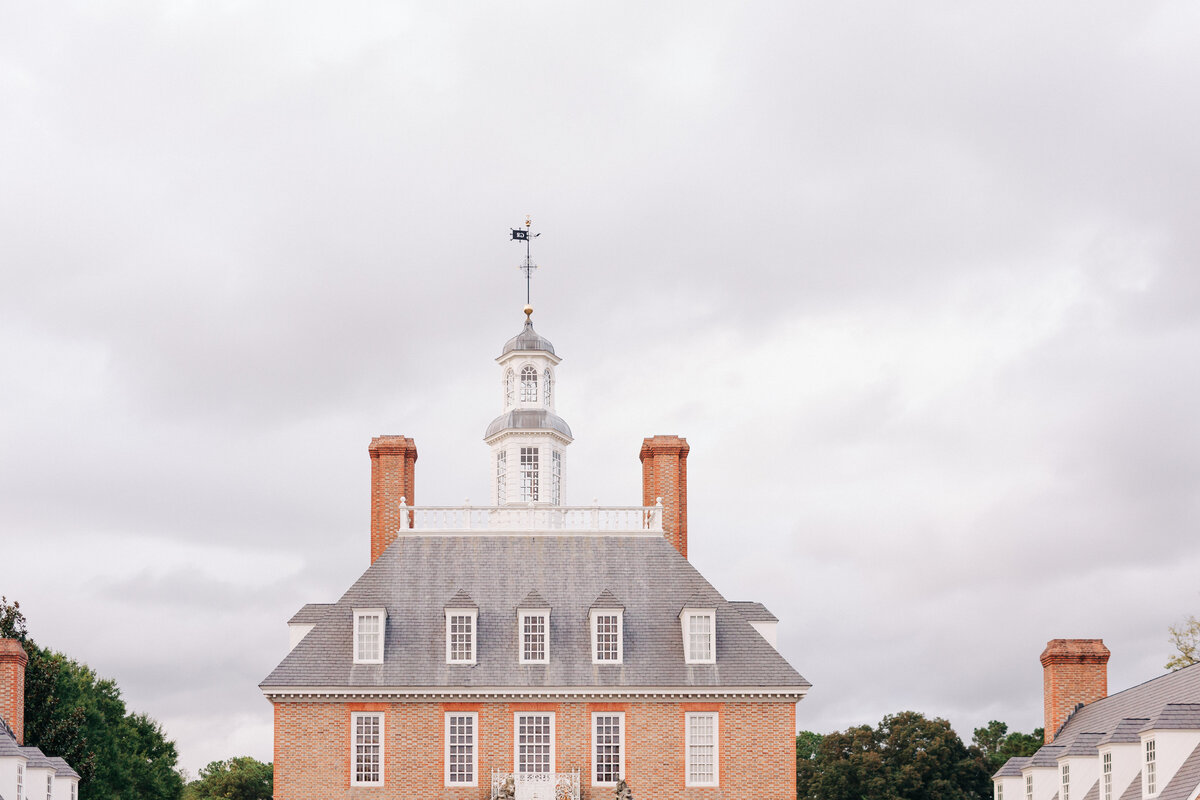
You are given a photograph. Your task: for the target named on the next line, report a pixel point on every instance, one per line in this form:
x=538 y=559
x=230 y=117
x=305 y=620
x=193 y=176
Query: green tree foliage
x=996 y=745
x=906 y=757
x=242 y=778
x=1185 y=638
x=72 y=713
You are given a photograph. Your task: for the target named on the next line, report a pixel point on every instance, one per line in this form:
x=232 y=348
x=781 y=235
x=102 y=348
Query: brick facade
x=664 y=474
x=12 y=686
x=392 y=471
x=1074 y=671
x=756 y=749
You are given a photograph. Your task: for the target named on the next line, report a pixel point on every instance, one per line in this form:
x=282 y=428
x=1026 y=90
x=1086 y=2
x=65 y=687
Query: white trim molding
x=529 y=637
x=594 y=616
x=369 y=643
x=456 y=616
x=699 y=629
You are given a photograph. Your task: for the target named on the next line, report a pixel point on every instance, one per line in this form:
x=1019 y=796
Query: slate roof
x=1134 y=790
x=310 y=614
x=1046 y=756
x=606 y=599
x=1083 y=745
x=62 y=769
x=1145 y=700
x=755 y=612
x=8 y=741
x=1185 y=780
x=416 y=575
x=37 y=759
x=534 y=600
x=461 y=600
x=1094 y=792
x=1012 y=767
x=1126 y=732
x=1174 y=717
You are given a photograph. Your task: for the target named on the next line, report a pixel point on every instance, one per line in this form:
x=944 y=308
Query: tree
x=1185 y=637
x=241 y=778
x=906 y=757
x=73 y=713
x=996 y=745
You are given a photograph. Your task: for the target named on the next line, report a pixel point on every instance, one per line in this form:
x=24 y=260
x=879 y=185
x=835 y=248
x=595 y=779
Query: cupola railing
x=532 y=518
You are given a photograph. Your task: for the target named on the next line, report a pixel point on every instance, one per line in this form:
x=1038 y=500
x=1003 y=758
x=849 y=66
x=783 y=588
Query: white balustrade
x=532 y=518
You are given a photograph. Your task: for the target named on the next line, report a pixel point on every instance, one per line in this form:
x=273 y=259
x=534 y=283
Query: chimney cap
x=1075 y=651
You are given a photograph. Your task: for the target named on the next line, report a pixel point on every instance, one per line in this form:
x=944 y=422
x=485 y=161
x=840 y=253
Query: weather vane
x=525 y=235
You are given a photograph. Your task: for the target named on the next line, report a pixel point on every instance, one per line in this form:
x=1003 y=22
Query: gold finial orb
x=528 y=311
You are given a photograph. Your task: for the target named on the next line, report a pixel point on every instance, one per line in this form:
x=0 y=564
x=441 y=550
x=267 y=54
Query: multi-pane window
x=606 y=626
x=533 y=637
x=74 y=792
x=529 y=474
x=548 y=382
x=20 y=780
x=1106 y=775
x=501 y=477
x=510 y=389
x=368 y=636
x=460 y=748
x=50 y=786
x=460 y=637
x=699 y=631
x=535 y=742
x=529 y=393
x=1151 y=771
x=999 y=790
x=555 y=477
x=367 y=752
x=1028 y=787
x=608 y=757
x=701 y=749
x=1066 y=782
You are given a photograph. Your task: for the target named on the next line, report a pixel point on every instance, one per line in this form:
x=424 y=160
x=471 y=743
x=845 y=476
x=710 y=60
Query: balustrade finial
x=403 y=501
x=659 y=503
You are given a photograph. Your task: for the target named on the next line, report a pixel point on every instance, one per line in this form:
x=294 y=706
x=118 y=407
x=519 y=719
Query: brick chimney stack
x=392 y=462
x=1074 y=671
x=664 y=474
x=12 y=686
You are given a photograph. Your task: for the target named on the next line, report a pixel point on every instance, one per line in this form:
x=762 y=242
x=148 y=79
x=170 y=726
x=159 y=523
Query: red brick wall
x=1073 y=671
x=664 y=474
x=756 y=740
x=392 y=469
x=12 y=686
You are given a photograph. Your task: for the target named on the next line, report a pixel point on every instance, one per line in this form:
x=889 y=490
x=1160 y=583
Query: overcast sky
x=918 y=282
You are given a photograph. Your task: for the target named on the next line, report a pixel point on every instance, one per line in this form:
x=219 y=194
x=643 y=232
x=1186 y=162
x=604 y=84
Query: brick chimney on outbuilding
x=1074 y=672
x=664 y=474
x=12 y=686
x=392 y=466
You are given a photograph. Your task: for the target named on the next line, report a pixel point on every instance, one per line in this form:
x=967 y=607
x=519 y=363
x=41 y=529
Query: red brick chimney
x=664 y=474
x=12 y=686
x=1074 y=671
x=392 y=460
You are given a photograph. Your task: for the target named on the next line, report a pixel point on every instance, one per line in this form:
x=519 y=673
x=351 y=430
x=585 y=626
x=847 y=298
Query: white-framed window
x=608 y=747
x=20 y=780
x=510 y=389
x=1151 y=768
x=1106 y=775
x=462 y=765
x=529 y=474
x=999 y=790
x=529 y=392
x=533 y=741
x=555 y=477
x=50 y=786
x=699 y=635
x=369 y=626
x=607 y=635
x=1066 y=781
x=548 y=382
x=702 y=768
x=501 y=477
x=535 y=636
x=1029 y=787
x=74 y=791
x=460 y=635
x=366 y=749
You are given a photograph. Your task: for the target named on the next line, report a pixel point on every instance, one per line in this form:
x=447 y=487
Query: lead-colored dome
x=525 y=419
x=528 y=339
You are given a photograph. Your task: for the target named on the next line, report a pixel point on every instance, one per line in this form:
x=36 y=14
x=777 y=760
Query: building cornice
x=509 y=693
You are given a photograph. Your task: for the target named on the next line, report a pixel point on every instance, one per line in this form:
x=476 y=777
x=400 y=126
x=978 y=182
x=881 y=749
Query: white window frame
x=1029 y=787
x=556 y=477
x=1106 y=775
x=622 y=737
x=517 y=738
x=49 y=786
x=529 y=384
x=1150 y=759
x=1065 y=772
x=20 y=780
x=548 y=388
x=594 y=619
x=359 y=615
x=544 y=613
x=510 y=389
x=474 y=748
x=998 y=793
x=74 y=791
x=687 y=747
x=530 y=463
x=686 y=617
x=501 y=477
x=355 y=716
x=473 y=613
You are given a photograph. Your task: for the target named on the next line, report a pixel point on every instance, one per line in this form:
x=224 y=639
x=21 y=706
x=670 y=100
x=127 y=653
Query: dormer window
x=529 y=380
x=535 y=627
x=460 y=635
x=369 y=626
x=699 y=635
x=606 y=624
x=1066 y=781
x=1151 y=768
x=548 y=382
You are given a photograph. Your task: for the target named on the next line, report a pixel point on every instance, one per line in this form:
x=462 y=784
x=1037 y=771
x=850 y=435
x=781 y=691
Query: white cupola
x=528 y=439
